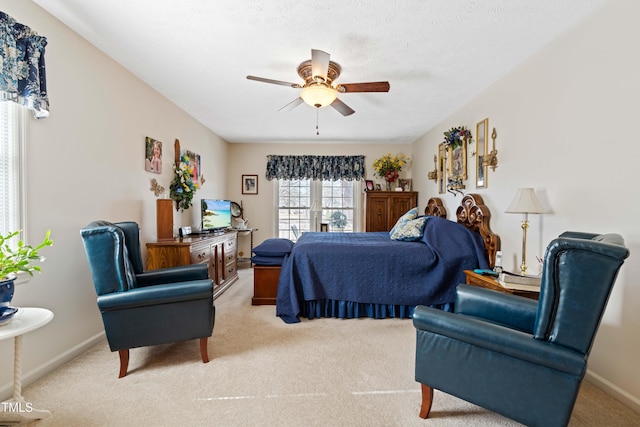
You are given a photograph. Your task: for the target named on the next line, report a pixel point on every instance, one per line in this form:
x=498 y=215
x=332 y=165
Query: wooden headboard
x=473 y=214
x=435 y=208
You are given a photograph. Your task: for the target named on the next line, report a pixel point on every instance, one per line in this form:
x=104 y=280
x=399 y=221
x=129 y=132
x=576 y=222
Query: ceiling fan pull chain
x=317 y=119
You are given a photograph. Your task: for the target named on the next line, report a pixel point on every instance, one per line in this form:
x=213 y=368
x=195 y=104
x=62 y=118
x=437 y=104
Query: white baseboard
x=613 y=390
x=6 y=391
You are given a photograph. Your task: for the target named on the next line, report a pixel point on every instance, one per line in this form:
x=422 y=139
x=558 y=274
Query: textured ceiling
x=436 y=54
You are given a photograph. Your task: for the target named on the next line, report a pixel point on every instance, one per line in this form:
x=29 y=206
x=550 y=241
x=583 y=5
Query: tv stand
x=218 y=252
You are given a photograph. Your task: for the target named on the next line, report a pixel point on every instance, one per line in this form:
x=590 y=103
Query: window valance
x=329 y=168
x=22 y=70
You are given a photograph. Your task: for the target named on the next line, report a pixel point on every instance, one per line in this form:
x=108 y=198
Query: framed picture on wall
x=482 y=139
x=458 y=161
x=442 y=170
x=153 y=155
x=249 y=184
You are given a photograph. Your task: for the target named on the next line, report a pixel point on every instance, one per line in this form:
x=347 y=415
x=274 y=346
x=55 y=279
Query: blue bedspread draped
x=334 y=270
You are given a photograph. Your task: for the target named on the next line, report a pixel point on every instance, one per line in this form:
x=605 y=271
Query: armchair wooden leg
x=427 y=401
x=124 y=362
x=203 y=350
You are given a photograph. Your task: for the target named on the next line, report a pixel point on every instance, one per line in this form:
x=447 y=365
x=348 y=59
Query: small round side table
x=26 y=320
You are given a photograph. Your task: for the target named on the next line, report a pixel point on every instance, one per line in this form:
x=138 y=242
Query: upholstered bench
x=267 y=262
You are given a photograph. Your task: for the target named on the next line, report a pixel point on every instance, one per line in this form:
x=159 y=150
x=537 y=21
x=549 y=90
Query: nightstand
x=491 y=282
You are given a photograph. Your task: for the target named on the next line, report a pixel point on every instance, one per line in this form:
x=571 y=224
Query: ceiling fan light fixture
x=318 y=95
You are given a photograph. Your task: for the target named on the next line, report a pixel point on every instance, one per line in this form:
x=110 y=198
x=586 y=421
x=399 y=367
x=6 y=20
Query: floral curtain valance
x=22 y=70
x=329 y=168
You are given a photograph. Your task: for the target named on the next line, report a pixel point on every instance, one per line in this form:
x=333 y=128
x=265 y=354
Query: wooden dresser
x=383 y=208
x=219 y=253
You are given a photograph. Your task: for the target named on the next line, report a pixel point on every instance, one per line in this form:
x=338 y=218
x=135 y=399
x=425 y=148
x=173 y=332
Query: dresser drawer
x=201 y=256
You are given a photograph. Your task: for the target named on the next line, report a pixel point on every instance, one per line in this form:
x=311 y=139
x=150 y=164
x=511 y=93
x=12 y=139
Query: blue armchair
x=518 y=357
x=145 y=308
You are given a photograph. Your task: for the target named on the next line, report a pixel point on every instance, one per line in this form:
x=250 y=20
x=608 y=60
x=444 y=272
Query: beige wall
x=86 y=162
x=251 y=159
x=566 y=126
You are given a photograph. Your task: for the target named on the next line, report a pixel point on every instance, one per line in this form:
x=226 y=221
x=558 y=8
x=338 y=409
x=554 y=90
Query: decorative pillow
x=274 y=247
x=408 y=227
x=411 y=214
x=408 y=231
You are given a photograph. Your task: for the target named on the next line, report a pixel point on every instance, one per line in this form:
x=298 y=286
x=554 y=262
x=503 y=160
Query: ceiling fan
x=318 y=90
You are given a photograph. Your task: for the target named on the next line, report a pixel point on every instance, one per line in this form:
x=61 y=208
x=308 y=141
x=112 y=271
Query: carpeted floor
x=324 y=372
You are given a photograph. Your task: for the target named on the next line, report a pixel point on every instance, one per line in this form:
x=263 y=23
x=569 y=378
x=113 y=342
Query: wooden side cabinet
x=218 y=253
x=265 y=284
x=383 y=208
x=491 y=282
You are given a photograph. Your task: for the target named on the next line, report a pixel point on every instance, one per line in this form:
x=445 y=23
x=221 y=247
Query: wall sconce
x=491 y=159
x=434 y=173
x=455 y=185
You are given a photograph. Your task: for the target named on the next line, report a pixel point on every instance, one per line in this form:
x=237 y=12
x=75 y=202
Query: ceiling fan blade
x=342 y=108
x=364 y=87
x=319 y=63
x=275 y=82
x=293 y=104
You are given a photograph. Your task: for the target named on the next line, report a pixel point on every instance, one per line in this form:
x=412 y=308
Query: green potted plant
x=18 y=259
x=338 y=220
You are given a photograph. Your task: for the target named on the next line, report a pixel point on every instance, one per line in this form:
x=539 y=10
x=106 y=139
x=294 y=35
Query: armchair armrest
x=499 y=339
x=155 y=295
x=173 y=275
x=509 y=310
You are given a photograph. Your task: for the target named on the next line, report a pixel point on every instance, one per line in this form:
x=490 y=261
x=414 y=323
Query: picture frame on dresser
x=405 y=184
x=249 y=184
x=369 y=185
x=482 y=144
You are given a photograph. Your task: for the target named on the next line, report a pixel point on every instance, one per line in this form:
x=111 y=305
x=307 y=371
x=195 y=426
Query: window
x=295 y=198
x=12 y=123
x=293 y=204
x=338 y=205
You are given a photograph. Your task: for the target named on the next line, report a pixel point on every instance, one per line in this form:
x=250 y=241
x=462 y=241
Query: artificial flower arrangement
x=388 y=166
x=184 y=186
x=455 y=136
x=21 y=258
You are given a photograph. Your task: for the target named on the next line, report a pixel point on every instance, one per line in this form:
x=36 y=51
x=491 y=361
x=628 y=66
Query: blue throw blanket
x=371 y=268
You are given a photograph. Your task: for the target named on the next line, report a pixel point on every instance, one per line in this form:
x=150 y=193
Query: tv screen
x=216 y=214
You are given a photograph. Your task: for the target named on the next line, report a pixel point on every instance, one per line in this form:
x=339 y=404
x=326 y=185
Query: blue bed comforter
x=372 y=268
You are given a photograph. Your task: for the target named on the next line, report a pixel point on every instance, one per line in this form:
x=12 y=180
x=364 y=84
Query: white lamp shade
x=316 y=207
x=318 y=95
x=525 y=201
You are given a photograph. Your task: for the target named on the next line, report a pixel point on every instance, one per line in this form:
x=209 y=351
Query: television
x=215 y=214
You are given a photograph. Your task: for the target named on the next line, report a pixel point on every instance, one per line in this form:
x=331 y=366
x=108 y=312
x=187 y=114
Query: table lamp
x=316 y=209
x=525 y=203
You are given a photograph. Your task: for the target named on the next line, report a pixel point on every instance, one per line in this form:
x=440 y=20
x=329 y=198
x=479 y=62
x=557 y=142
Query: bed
x=351 y=275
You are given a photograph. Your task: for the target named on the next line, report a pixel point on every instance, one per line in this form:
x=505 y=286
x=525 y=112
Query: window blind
x=11 y=170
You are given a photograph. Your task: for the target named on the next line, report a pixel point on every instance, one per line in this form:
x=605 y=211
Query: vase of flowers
x=184 y=184
x=14 y=260
x=388 y=167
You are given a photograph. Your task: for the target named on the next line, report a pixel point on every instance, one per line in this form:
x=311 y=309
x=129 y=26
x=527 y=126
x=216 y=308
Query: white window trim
x=19 y=125
x=358 y=212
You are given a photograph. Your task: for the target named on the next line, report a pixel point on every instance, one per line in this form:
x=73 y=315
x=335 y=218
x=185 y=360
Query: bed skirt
x=352 y=310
